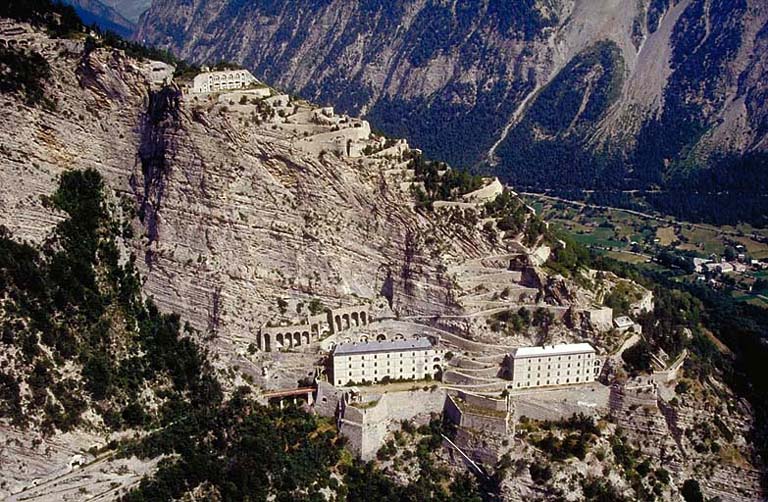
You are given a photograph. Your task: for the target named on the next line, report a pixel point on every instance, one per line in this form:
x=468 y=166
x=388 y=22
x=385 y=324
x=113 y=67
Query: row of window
x=549 y=366
x=402 y=361
x=560 y=358
x=427 y=353
x=557 y=374
x=376 y=371
x=555 y=382
x=228 y=76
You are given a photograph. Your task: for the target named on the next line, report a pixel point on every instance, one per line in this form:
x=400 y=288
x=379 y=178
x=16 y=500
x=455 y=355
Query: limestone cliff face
x=228 y=217
x=550 y=94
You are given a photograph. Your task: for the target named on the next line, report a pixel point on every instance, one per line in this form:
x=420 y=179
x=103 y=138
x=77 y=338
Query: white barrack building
x=553 y=365
x=413 y=359
x=214 y=81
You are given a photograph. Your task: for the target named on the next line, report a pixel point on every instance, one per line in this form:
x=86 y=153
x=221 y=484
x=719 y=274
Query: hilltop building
x=213 y=81
x=553 y=365
x=407 y=359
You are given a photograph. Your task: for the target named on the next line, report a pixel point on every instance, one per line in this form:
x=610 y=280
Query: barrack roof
x=382 y=346
x=552 y=350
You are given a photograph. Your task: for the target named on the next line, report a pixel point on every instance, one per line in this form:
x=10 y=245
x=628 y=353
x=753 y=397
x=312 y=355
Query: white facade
x=553 y=365
x=214 y=81
x=413 y=359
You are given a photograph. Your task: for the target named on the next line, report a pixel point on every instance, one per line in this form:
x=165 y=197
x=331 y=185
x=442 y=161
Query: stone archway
x=279 y=341
x=338 y=322
x=305 y=337
x=381 y=337
x=265 y=340
x=345 y=318
x=363 y=318
x=355 y=319
x=296 y=339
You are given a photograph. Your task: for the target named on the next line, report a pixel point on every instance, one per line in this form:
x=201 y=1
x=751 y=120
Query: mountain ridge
x=459 y=78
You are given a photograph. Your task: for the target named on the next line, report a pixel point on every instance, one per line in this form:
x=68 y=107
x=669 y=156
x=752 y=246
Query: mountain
x=661 y=96
x=130 y=9
x=103 y=16
x=150 y=238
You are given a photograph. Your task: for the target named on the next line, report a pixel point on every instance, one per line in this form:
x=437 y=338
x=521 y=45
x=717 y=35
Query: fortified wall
x=483 y=423
x=366 y=425
x=561 y=403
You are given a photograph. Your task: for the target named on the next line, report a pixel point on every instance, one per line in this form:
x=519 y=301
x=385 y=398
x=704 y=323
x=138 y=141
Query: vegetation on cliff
x=78 y=331
x=24 y=72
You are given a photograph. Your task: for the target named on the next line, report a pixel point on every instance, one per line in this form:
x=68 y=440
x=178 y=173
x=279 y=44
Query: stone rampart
x=487 y=193
x=600 y=318
x=328 y=399
x=480 y=414
x=557 y=404
x=366 y=426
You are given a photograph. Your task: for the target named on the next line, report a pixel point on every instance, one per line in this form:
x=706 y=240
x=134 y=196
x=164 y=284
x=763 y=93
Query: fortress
x=213 y=81
x=369 y=362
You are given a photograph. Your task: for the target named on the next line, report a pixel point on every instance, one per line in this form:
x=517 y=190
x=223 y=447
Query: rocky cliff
x=251 y=207
x=229 y=217
x=550 y=94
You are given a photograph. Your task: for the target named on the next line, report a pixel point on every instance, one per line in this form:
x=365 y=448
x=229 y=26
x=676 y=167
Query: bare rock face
x=229 y=217
x=621 y=91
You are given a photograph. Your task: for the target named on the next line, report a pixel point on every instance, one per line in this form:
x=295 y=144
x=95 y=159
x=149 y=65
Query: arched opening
x=265 y=339
x=436 y=360
x=306 y=337
x=296 y=339
x=355 y=319
x=437 y=372
x=279 y=341
x=345 y=318
x=315 y=328
x=381 y=337
x=364 y=338
x=338 y=323
x=399 y=336
x=363 y=318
